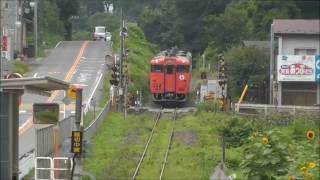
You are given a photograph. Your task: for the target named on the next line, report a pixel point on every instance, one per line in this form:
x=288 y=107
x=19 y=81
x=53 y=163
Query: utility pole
x=271 y=65
x=0 y=42
x=120 y=105
x=22 y=5
x=125 y=96
x=35 y=25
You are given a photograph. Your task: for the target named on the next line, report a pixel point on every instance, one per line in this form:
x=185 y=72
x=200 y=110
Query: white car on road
x=99 y=33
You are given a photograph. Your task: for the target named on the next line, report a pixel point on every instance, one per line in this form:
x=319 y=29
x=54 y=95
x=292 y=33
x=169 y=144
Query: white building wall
x=287 y=45
x=291 y=42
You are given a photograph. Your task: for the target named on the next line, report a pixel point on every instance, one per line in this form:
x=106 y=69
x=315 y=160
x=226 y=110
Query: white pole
x=64 y=105
x=271 y=65
x=35 y=23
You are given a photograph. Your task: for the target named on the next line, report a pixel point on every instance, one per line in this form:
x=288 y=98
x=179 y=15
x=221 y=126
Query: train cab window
x=170 y=69
x=156 y=68
x=182 y=69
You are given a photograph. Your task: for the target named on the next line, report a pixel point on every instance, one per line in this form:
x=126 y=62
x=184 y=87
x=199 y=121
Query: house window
x=305 y=51
x=6 y=5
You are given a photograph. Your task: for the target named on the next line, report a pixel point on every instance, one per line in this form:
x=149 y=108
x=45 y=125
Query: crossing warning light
x=115 y=76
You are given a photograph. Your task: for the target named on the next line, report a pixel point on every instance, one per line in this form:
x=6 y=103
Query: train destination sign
x=76 y=146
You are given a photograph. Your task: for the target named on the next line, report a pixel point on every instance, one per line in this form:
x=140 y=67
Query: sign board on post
x=45 y=113
x=318 y=68
x=296 y=68
x=76 y=146
x=72 y=92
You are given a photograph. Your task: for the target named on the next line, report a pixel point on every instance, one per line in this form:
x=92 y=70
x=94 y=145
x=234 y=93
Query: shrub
x=208 y=106
x=266 y=155
x=81 y=35
x=20 y=67
x=236 y=131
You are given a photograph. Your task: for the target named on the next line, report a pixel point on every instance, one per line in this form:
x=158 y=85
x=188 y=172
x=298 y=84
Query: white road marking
x=94 y=89
x=35 y=74
x=23 y=111
x=58 y=44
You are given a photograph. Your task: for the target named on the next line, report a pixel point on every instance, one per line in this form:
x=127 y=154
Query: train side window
x=170 y=69
x=182 y=69
x=156 y=68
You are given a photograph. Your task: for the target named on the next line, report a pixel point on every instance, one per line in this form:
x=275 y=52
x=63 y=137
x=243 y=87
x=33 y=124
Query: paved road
x=76 y=62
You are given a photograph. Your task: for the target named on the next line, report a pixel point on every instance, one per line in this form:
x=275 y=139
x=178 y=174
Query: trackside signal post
x=118 y=78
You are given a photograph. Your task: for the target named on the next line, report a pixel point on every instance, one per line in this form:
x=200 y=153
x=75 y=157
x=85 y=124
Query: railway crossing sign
x=72 y=92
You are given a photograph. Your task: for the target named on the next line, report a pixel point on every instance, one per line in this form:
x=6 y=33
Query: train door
x=170 y=82
x=182 y=79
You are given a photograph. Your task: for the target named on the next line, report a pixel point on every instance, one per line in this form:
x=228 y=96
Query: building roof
x=296 y=26
x=259 y=44
x=37 y=85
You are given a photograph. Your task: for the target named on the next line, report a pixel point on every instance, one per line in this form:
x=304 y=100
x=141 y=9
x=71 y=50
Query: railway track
x=171 y=134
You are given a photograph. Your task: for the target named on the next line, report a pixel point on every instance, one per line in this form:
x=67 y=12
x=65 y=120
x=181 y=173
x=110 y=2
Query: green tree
x=51 y=26
x=94 y=6
x=227 y=29
x=67 y=8
x=262 y=13
x=246 y=64
x=309 y=9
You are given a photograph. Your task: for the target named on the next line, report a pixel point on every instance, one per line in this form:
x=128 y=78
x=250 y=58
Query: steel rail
x=147 y=145
x=169 y=144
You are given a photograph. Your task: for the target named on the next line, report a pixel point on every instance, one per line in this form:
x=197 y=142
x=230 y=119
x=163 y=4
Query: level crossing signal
x=115 y=76
x=221 y=72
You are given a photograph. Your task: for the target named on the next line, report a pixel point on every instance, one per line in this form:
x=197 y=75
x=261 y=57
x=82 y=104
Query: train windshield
x=156 y=68
x=182 y=69
x=170 y=69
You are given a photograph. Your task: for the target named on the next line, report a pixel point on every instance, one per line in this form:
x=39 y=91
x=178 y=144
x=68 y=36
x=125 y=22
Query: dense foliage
x=212 y=27
x=223 y=23
x=247 y=65
x=137 y=61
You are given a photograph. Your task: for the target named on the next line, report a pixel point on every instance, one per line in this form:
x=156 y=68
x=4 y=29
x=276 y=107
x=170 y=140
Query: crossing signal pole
x=222 y=80
x=123 y=35
x=120 y=94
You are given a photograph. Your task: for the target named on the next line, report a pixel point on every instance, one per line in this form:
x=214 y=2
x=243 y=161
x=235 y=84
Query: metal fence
x=44 y=141
x=92 y=128
x=269 y=109
x=45 y=135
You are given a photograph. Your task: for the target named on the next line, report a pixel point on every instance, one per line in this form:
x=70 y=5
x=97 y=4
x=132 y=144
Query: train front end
x=170 y=79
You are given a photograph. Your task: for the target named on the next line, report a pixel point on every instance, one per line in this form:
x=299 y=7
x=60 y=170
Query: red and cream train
x=170 y=77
